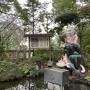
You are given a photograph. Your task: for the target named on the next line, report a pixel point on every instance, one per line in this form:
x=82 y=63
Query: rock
x=50 y=86
x=54 y=87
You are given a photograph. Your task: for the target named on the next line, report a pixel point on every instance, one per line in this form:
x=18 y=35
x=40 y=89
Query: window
x=34 y=42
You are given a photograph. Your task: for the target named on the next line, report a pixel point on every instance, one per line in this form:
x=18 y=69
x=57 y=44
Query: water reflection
x=23 y=84
x=75 y=86
x=35 y=84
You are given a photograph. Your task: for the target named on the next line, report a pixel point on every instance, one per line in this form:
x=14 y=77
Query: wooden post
x=29 y=49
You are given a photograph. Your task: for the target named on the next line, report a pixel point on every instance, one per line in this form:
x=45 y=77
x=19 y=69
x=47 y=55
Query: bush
x=28 y=69
x=9 y=71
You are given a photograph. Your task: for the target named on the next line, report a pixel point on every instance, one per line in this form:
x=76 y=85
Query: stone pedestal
x=51 y=86
x=56 y=78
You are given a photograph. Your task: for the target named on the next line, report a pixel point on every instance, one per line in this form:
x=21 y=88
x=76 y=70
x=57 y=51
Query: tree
x=62 y=9
x=9 y=30
x=11 y=35
x=40 y=19
x=63 y=6
x=4 y=7
x=83 y=24
x=22 y=13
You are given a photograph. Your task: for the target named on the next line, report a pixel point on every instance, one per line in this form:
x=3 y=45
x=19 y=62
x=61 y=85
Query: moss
x=87 y=77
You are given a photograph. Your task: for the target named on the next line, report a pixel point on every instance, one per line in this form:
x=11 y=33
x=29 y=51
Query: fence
x=24 y=54
x=17 y=54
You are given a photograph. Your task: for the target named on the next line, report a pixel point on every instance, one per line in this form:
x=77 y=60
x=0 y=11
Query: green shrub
x=9 y=71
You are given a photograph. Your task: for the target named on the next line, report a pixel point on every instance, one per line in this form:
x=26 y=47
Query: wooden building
x=39 y=41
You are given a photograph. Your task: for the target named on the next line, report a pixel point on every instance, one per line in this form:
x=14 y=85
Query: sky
x=81 y=2
x=78 y=2
x=49 y=6
x=22 y=2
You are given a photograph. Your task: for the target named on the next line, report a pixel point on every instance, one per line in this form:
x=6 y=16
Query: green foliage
x=4 y=66
x=4 y=8
x=9 y=71
x=32 y=1
x=62 y=9
x=67 y=18
x=85 y=34
x=33 y=72
x=85 y=42
x=85 y=10
x=22 y=12
x=88 y=1
x=38 y=81
x=87 y=77
x=41 y=56
x=28 y=68
x=44 y=55
x=62 y=6
x=2 y=49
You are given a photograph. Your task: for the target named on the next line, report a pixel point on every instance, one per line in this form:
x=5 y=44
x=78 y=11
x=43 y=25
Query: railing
x=17 y=54
x=21 y=54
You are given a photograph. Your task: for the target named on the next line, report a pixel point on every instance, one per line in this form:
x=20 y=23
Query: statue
x=71 y=57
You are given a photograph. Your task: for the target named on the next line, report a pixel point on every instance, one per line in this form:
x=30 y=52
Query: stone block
x=56 y=76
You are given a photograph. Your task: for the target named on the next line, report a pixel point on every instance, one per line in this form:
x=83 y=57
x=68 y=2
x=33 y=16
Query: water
x=35 y=84
x=78 y=87
x=23 y=84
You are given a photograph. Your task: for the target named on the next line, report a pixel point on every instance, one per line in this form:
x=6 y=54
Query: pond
x=35 y=84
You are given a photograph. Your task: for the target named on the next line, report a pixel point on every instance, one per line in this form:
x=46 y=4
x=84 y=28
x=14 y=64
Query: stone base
x=51 y=86
x=56 y=75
